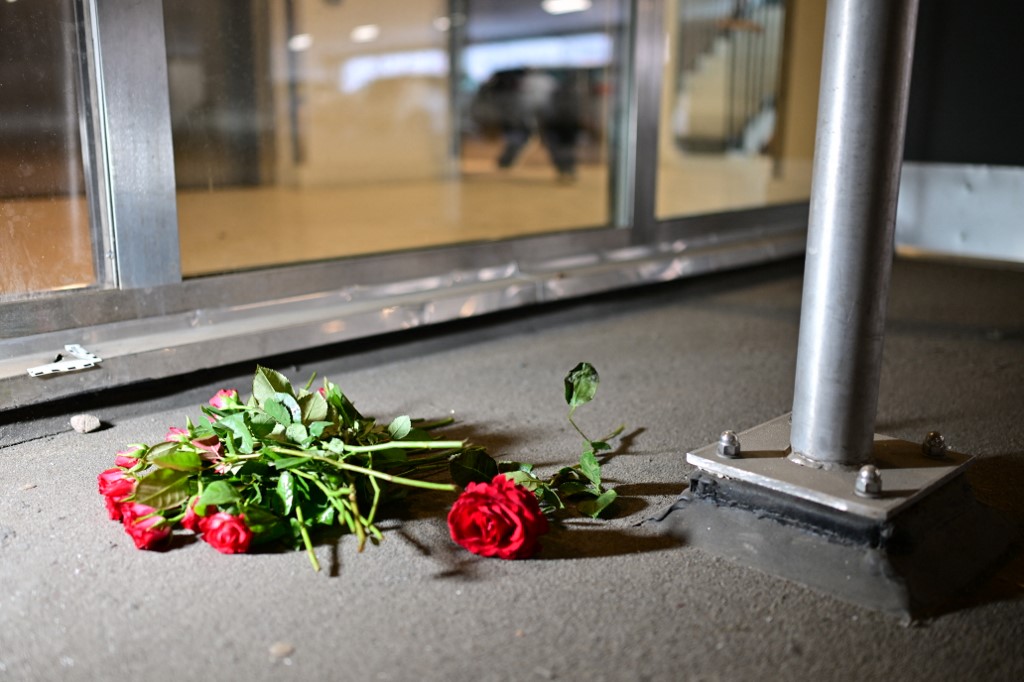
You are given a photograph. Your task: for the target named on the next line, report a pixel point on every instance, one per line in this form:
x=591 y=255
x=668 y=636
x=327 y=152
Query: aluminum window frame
x=143 y=319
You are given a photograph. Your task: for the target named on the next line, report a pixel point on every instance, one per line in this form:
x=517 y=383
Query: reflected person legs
x=560 y=141
x=515 y=138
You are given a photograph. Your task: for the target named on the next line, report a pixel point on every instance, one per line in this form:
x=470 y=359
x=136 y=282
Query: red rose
x=147 y=528
x=499 y=519
x=226 y=533
x=192 y=519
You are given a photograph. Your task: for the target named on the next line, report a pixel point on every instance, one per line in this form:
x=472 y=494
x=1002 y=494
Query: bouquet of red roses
x=287 y=462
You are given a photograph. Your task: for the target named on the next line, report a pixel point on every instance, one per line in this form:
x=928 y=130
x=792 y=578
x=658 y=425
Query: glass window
x=739 y=101
x=45 y=243
x=314 y=129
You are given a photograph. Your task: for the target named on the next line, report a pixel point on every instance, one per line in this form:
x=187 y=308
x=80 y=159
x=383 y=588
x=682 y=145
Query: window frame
x=146 y=322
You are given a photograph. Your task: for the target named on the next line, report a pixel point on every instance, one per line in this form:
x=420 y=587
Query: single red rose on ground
x=226 y=533
x=500 y=518
x=147 y=528
x=225 y=397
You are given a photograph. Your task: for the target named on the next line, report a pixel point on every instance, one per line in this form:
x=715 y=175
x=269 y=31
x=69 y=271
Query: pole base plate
x=908 y=553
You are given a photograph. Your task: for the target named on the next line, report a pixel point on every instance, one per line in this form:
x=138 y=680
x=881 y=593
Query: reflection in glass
x=44 y=221
x=738 y=104
x=313 y=129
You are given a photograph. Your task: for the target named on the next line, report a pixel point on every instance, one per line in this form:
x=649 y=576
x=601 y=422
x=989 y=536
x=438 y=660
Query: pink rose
x=114 y=483
x=226 y=533
x=128 y=458
x=113 y=508
x=115 y=488
x=147 y=528
x=225 y=397
x=176 y=435
x=499 y=519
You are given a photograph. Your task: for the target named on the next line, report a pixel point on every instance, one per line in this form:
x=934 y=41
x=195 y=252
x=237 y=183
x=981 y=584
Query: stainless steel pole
x=858 y=152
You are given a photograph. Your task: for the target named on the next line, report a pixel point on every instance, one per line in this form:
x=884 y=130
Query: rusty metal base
x=909 y=554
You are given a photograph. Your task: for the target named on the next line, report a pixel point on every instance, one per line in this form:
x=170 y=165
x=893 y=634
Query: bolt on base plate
x=906 y=552
x=906 y=473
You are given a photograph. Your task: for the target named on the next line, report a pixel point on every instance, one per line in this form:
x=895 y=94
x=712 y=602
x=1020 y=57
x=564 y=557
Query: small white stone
x=281 y=649
x=85 y=423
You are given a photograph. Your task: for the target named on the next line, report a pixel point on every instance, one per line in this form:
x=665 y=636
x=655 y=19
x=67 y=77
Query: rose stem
x=305 y=539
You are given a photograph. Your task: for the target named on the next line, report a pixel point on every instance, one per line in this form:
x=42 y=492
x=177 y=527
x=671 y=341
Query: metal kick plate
x=907 y=474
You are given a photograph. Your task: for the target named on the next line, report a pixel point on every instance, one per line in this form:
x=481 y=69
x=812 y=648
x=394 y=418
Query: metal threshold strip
x=161 y=346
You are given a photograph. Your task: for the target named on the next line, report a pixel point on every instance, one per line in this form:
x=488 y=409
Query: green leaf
x=265 y=526
x=291 y=404
x=472 y=465
x=296 y=433
x=525 y=479
x=594 y=507
x=570 y=488
x=277 y=411
x=313 y=408
x=237 y=425
x=505 y=467
x=218 y=492
x=179 y=460
x=286 y=491
x=161 y=449
x=400 y=427
x=289 y=462
x=267 y=382
x=581 y=384
x=326 y=516
x=163 y=489
x=316 y=429
x=590 y=467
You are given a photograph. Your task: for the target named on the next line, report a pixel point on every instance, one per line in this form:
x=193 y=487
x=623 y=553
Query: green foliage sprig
x=580 y=484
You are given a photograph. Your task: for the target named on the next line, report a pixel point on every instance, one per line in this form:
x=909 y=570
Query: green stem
x=411 y=482
x=577 y=428
x=305 y=539
x=360 y=528
x=405 y=445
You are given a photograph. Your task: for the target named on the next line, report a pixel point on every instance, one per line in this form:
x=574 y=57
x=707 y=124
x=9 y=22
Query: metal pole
x=858 y=151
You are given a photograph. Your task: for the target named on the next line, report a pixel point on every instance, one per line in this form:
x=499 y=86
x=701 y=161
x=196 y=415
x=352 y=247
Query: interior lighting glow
x=442 y=24
x=300 y=42
x=366 y=33
x=565 y=6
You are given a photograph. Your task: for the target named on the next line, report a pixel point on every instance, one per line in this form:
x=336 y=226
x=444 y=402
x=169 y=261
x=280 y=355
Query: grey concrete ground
x=605 y=600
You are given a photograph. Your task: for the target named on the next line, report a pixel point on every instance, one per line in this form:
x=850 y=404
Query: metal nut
x=728 y=445
x=934 y=445
x=869 y=481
